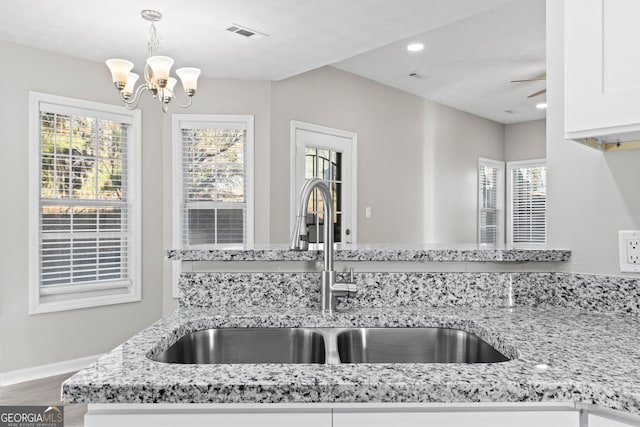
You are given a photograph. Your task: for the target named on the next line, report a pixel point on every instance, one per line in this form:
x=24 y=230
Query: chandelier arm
x=133 y=101
x=187 y=105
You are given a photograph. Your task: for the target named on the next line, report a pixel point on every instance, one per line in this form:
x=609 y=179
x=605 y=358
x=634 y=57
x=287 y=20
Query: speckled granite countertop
x=592 y=358
x=376 y=253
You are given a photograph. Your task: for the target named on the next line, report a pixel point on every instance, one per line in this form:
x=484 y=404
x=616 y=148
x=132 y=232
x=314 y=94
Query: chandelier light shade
x=120 y=69
x=157 y=73
x=131 y=83
x=160 y=68
x=189 y=77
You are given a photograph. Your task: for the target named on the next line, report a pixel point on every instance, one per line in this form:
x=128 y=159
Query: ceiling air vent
x=417 y=75
x=246 y=32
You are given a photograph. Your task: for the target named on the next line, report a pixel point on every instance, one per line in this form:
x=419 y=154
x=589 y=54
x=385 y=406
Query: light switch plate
x=629 y=243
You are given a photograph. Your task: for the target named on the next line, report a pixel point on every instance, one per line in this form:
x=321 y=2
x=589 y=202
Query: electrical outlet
x=633 y=251
x=629 y=243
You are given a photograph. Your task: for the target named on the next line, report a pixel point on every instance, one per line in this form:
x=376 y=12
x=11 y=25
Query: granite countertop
x=380 y=252
x=591 y=358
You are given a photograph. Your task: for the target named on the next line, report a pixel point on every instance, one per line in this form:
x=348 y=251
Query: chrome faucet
x=331 y=290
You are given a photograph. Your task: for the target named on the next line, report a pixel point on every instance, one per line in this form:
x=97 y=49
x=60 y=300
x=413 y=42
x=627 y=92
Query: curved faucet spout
x=300 y=236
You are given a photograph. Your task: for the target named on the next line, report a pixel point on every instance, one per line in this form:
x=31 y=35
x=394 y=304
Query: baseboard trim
x=44 y=371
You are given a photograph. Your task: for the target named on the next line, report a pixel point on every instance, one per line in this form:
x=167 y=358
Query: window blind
x=214 y=187
x=490 y=202
x=83 y=204
x=528 y=203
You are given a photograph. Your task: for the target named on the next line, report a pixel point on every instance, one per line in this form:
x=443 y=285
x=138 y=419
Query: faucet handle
x=303 y=243
x=352 y=286
x=352 y=289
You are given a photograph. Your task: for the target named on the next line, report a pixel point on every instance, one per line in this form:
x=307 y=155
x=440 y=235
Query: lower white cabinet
x=567 y=418
x=355 y=415
x=597 y=421
x=195 y=415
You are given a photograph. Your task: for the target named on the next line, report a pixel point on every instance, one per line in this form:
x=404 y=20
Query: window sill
x=54 y=302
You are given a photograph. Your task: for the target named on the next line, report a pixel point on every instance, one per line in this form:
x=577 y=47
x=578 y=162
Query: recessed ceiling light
x=415 y=47
x=541 y=105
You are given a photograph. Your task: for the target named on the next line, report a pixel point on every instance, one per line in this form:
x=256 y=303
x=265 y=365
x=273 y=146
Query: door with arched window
x=329 y=154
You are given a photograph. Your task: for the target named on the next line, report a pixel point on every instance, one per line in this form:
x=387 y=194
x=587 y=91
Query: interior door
x=329 y=154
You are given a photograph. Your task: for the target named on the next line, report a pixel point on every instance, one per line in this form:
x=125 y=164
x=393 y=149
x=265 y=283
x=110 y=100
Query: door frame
x=294 y=192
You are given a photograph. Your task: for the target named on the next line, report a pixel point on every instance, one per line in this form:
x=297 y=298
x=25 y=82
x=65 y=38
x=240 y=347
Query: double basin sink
x=330 y=345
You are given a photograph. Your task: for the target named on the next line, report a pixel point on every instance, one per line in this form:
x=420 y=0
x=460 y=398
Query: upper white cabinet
x=602 y=72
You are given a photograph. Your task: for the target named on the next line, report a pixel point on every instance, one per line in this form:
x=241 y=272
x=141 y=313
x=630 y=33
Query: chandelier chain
x=154 y=40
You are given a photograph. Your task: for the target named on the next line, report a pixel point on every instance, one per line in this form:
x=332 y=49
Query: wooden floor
x=43 y=392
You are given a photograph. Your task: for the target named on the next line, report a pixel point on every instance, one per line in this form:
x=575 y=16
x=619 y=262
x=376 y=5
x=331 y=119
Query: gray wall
x=453 y=141
x=388 y=123
x=417 y=160
x=48 y=338
x=591 y=195
x=525 y=141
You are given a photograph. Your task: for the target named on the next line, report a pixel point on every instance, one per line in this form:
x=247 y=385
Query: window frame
x=177 y=176
x=91 y=294
x=500 y=200
x=509 y=171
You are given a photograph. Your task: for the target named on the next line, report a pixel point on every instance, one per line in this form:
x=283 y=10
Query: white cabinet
x=557 y=414
x=597 y=421
x=463 y=418
x=205 y=415
x=602 y=69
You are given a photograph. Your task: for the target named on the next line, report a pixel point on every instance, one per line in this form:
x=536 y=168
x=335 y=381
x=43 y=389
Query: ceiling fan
x=537 y=79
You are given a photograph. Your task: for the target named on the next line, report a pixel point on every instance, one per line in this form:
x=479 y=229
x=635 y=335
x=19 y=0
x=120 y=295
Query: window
x=84 y=204
x=213 y=196
x=527 y=204
x=327 y=165
x=490 y=202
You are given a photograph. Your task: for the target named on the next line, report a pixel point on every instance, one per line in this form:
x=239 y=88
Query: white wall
x=591 y=195
x=525 y=141
x=53 y=337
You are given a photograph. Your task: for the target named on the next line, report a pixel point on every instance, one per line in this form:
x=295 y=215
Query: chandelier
x=156 y=73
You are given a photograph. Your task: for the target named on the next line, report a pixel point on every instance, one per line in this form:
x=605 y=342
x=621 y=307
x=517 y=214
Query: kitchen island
x=567 y=358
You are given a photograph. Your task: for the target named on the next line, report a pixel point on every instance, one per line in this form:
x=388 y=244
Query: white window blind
x=214 y=182
x=85 y=238
x=490 y=202
x=527 y=202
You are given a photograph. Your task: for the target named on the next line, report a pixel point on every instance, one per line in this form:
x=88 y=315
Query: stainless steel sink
x=247 y=345
x=414 y=345
x=330 y=345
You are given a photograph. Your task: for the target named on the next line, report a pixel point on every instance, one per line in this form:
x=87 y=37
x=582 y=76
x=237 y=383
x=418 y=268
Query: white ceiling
x=366 y=37
x=469 y=64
